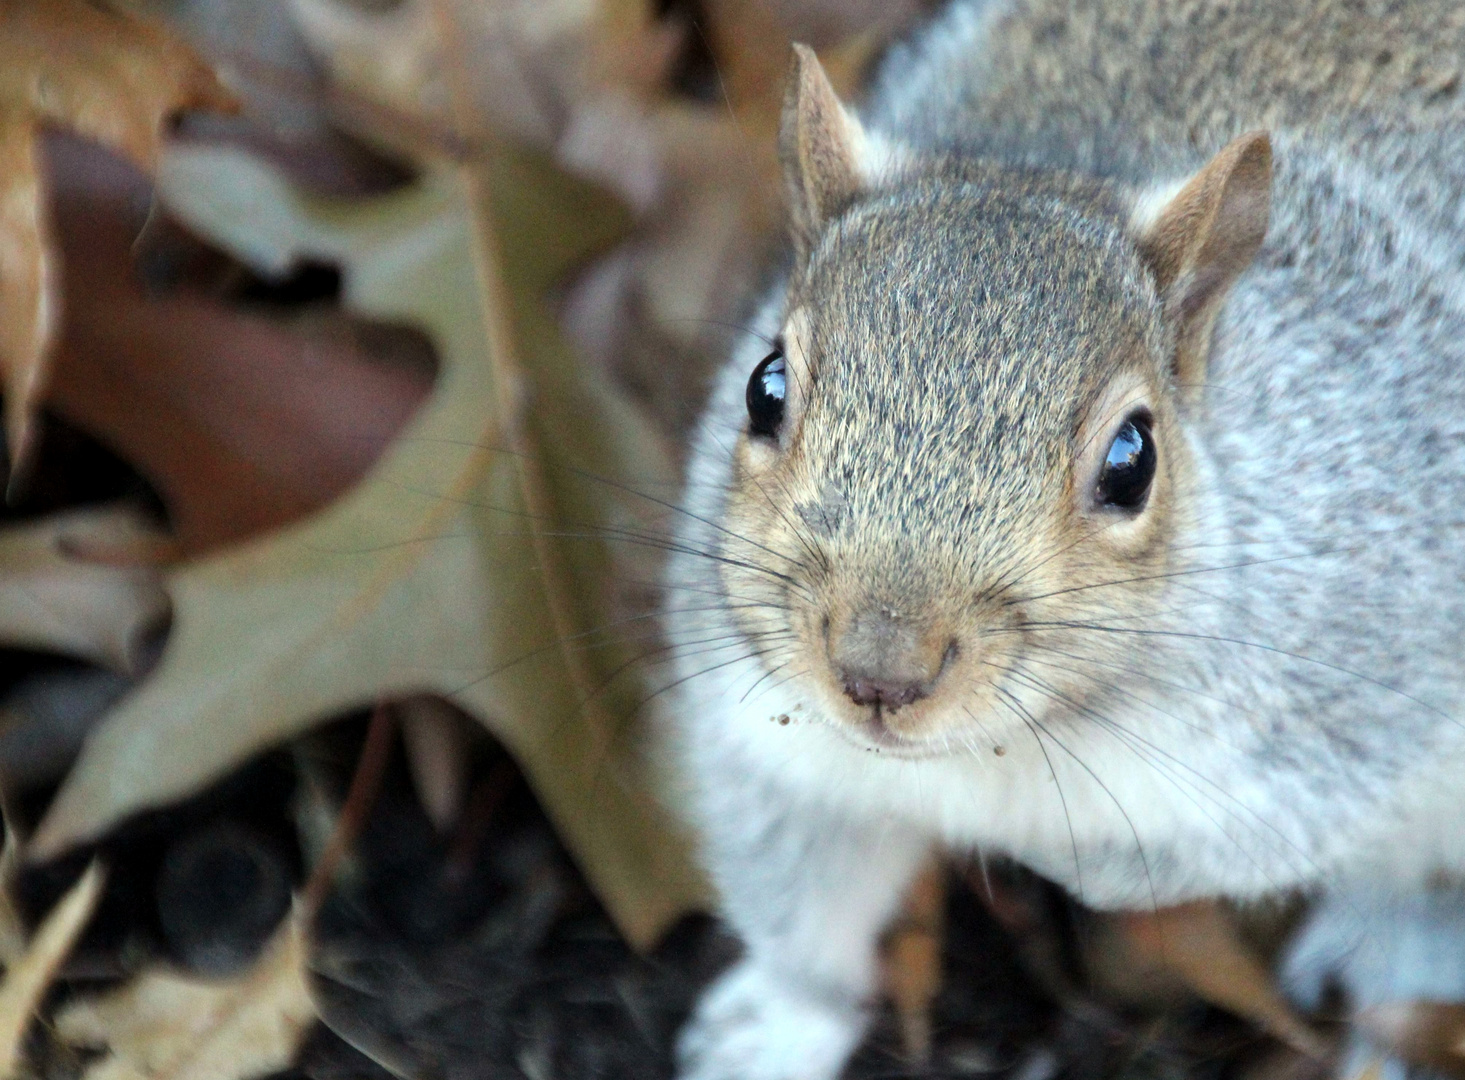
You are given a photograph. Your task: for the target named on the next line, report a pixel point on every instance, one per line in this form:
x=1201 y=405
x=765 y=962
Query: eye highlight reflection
x=767 y=390
x=1129 y=466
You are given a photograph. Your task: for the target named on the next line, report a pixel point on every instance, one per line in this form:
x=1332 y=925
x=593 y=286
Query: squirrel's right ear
x=822 y=145
x=1199 y=240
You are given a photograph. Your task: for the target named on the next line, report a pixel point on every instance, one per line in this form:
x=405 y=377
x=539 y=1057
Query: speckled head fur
x=963 y=344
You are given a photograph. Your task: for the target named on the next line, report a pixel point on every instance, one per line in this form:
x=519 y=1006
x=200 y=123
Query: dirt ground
x=482 y=953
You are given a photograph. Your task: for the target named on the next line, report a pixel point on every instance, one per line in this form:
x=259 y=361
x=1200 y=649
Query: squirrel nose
x=888 y=695
x=886 y=661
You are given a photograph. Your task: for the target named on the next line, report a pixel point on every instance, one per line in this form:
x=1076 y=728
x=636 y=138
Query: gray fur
x=1270 y=697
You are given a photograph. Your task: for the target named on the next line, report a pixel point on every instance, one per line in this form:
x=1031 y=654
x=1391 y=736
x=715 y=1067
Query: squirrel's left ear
x=822 y=146
x=1199 y=241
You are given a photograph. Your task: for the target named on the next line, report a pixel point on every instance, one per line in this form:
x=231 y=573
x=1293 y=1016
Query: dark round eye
x=766 y=391
x=1129 y=467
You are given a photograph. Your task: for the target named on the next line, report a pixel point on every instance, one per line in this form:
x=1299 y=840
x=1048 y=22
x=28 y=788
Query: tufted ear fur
x=821 y=145
x=1199 y=241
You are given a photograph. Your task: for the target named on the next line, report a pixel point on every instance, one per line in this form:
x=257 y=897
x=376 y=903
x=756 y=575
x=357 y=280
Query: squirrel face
x=973 y=417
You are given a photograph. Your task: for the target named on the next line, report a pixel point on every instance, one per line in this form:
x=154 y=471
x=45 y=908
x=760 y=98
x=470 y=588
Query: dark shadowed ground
x=481 y=953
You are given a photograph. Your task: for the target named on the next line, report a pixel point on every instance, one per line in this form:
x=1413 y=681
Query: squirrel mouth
x=876 y=736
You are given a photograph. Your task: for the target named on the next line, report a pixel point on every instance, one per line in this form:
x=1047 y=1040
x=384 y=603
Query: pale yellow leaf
x=53 y=599
x=166 y=1025
x=12 y=926
x=28 y=979
x=437 y=757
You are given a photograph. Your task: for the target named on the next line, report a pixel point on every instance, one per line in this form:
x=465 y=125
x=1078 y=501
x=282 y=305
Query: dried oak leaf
x=436 y=743
x=109 y=77
x=77 y=583
x=1200 y=945
x=169 y=1026
x=533 y=66
x=435 y=573
x=29 y=977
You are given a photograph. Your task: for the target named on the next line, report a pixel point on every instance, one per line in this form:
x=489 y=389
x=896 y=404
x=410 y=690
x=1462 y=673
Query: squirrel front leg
x=808 y=890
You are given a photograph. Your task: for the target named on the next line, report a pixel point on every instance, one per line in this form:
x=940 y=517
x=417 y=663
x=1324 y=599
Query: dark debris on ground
x=482 y=954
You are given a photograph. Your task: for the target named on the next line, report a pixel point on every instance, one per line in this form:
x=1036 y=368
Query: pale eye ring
x=1129 y=465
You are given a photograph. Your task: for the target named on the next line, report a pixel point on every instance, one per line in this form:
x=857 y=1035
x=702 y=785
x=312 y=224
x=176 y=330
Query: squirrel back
x=1131 y=90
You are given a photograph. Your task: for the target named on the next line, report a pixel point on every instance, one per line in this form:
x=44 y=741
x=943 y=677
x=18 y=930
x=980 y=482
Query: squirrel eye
x=1129 y=467
x=766 y=391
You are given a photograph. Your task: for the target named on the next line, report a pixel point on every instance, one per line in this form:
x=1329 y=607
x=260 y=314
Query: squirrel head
x=970 y=436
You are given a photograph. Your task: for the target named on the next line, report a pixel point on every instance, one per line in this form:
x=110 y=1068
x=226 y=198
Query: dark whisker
x=1168 y=576
x=1133 y=741
x=1138 y=843
x=1241 y=642
x=1017 y=710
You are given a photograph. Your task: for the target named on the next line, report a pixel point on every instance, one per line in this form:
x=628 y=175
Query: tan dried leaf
x=169 y=1026
x=533 y=64
x=27 y=980
x=912 y=960
x=1200 y=944
x=433 y=575
x=108 y=77
x=53 y=597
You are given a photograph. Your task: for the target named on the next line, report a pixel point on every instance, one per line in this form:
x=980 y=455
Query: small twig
x=371 y=766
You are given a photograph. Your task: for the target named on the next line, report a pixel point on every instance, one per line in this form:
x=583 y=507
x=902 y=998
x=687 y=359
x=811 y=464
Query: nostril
x=882 y=659
x=884 y=693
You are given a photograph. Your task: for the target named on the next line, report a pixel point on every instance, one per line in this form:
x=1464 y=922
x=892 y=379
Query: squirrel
x=1087 y=490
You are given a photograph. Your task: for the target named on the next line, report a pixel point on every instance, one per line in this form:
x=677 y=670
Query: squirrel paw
x=752 y=1025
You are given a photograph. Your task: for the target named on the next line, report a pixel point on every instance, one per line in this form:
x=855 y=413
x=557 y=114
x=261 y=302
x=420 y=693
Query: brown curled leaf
x=109 y=77
x=1200 y=945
